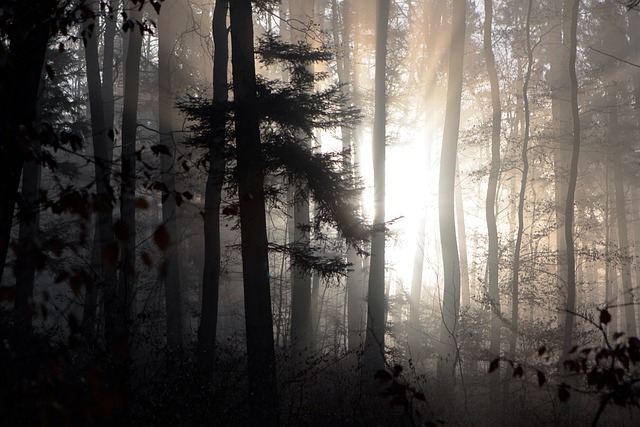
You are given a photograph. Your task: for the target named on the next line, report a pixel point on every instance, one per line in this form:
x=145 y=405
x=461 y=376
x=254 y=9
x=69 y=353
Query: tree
x=25 y=28
x=250 y=169
x=302 y=339
x=573 y=176
x=447 y=352
x=171 y=262
x=215 y=178
x=493 y=260
x=373 y=358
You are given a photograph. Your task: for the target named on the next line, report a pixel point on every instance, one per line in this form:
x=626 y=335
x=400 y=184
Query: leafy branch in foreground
x=611 y=370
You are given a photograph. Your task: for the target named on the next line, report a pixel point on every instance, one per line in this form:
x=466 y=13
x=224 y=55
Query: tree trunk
x=171 y=262
x=629 y=326
x=573 y=176
x=465 y=291
x=373 y=357
x=21 y=73
x=215 y=178
x=493 y=260
x=255 y=263
x=25 y=266
x=447 y=351
x=108 y=106
x=104 y=257
x=524 y=156
x=301 y=15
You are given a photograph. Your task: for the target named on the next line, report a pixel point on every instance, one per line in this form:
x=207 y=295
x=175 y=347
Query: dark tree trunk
x=213 y=196
x=255 y=265
x=24 y=62
x=170 y=268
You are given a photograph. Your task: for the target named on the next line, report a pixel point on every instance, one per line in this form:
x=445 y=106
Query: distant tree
x=170 y=264
x=374 y=348
x=493 y=260
x=573 y=177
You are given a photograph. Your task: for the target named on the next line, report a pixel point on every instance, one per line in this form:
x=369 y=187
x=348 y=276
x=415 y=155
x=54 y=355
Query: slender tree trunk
x=104 y=257
x=215 y=178
x=108 y=106
x=355 y=292
x=573 y=176
x=128 y=175
x=629 y=327
x=493 y=260
x=25 y=266
x=447 y=349
x=561 y=116
x=465 y=291
x=255 y=263
x=171 y=262
x=373 y=358
x=524 y=156
x=301 y=13
x=416 y=291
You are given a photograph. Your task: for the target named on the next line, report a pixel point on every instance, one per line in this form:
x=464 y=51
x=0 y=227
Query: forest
x=319 y=212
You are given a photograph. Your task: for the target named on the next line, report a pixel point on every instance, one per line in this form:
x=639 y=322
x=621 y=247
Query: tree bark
x=447 y=351
x=126 y=278
x=524 y=156
x=255 y=265
x=301 y=15
x=629 y=326
x=215 y=178
x=24 y=61
x=104 y=259
x=373 y=357
x=493 y=260
x=171 y=262
x=573 y=176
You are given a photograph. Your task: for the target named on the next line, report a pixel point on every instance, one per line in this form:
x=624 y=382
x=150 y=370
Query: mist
x=319 y=212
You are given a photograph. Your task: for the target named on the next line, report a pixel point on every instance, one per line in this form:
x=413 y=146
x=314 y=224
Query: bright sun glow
x=411 y=197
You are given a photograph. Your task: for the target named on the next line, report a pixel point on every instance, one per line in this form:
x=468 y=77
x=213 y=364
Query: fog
x=306 y=213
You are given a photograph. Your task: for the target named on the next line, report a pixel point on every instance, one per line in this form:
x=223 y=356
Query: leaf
x=605 y=316
x=617 y=335
x=161 y=238
x=397 y=370
x=518 y=372
x=156 y=6
x=50 y=73
x=62 y=276
x=541 y=351
x=121 y=231
x=541 y=379
x=146 y=259
x=398 y=400
x=141 y=203
x=420 y=396
x=495 y=364
x=160 y=149
x=7 y=293
x=187 y=195
x=382 y=375
x=110 y=255
x=61 y=47
x=563 y=393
